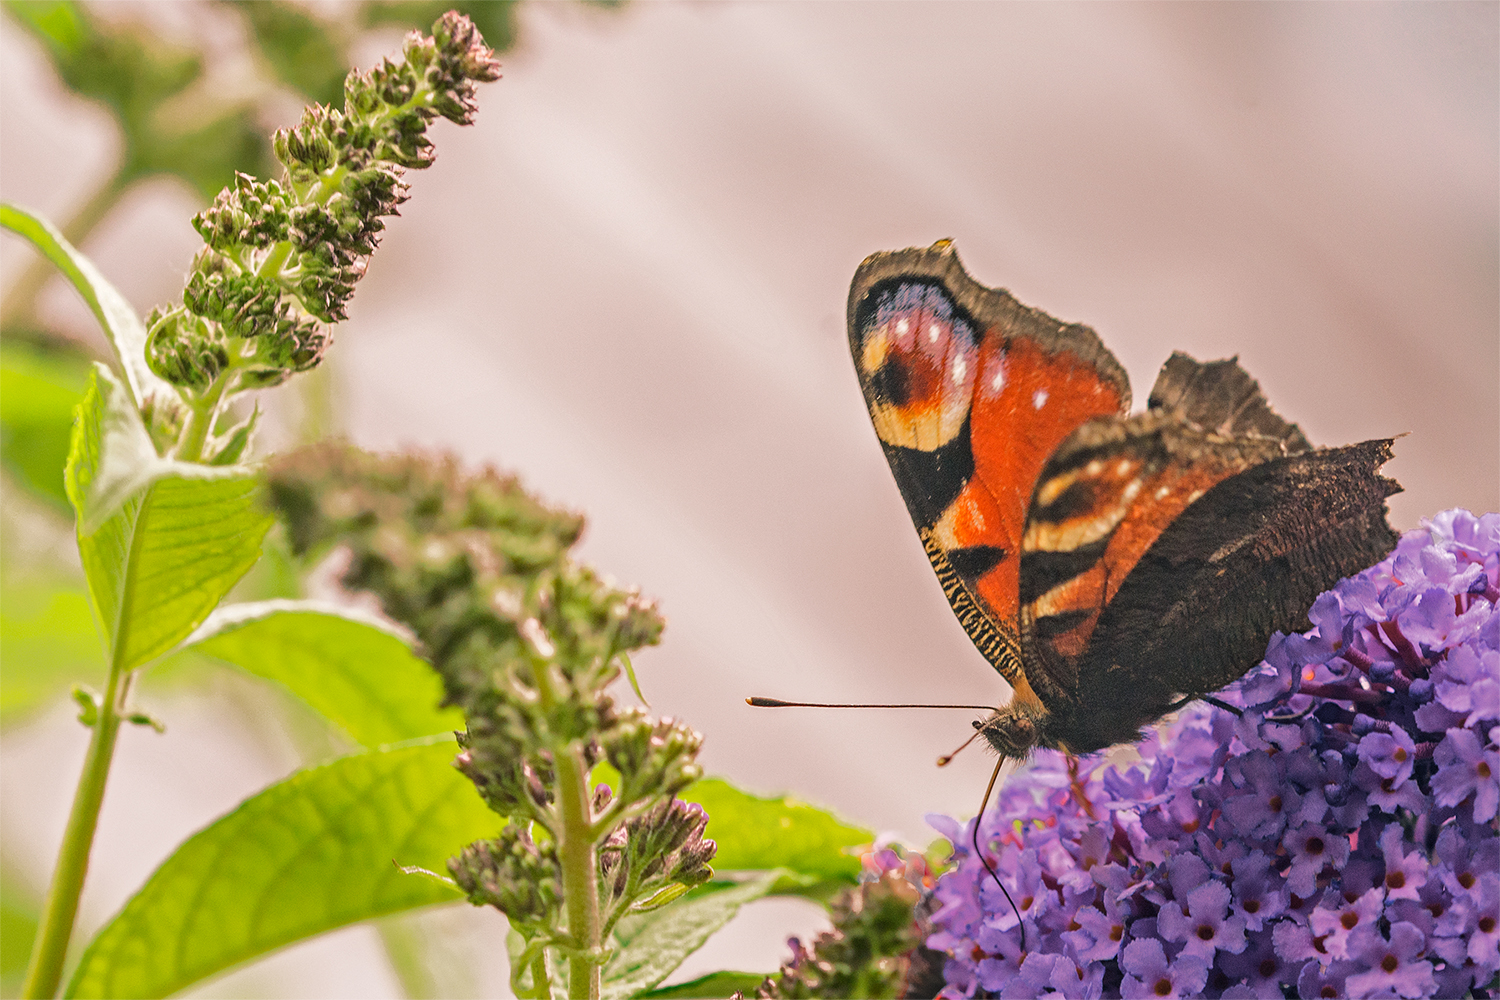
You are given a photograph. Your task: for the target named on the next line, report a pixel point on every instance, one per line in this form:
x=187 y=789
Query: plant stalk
x=541 y=979
x=44 y=971
x=580 y=870
x=204 y=411
x=576 y=838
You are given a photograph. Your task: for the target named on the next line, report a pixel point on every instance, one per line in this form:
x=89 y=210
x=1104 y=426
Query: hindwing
x=1113 y=487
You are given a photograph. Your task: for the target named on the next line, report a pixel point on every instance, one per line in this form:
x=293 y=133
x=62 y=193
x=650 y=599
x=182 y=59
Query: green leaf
x=38 y=391
x=57 y=22
x=354 y=669
x=661 y=897
x=161 y=541
x=305 y=856
x=634 y=684
x=121 y=325
x=47 y=639
x=759 y=833
x=232 y=446
x=653 y=944
x=715 y=984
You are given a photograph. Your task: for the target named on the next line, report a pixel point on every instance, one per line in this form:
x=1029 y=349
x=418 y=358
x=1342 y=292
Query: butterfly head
x=1017 y=729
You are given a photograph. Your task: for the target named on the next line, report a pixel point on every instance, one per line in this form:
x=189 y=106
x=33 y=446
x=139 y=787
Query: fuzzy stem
x=580 y=870
x=576 y=853
x=205 y=410
x=44 y=971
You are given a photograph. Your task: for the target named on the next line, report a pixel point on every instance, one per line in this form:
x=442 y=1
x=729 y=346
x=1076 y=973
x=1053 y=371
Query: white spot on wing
x=1162 y=492
x=1133 y=489
x=1123 y=467
x=1094 y=468
x=933 y=333
x=1039 y=398
x=960 y=369
x=998 y=382
x=902 y=326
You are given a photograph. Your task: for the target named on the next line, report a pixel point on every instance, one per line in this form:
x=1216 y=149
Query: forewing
x=970 y=393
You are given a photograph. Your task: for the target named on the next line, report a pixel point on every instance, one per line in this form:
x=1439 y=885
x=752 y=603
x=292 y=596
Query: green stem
x=575 y=842
x=44 y=972
x=205 y=410
x=541 y=979
x=580 y=871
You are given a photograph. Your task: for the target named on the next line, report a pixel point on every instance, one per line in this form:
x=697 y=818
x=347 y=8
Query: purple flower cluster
x=1336 y=839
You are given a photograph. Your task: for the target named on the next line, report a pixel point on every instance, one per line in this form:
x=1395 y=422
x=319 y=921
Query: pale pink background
x=627 y=284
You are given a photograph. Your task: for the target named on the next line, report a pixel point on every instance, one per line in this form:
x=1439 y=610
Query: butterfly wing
x=1246 y=560
x=970 y=393
x=1162 y=551
x=1115 y=485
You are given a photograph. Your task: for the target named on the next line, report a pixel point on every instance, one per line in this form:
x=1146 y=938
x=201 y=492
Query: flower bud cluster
x=282 y=257
x=651 y=753
x=649 y=853
x=513 y=874
x=527 y=643
x=875 y=947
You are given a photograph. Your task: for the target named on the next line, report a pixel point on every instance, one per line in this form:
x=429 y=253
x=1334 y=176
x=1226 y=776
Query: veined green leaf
x=161 y=541
x=758 y=833
x=653 y=944
x=307 y=855
x=715 y=984
x=121 y=325
x=354 y=669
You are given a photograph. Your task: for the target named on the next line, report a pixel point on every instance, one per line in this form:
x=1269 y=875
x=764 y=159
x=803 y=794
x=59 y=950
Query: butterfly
x=1111 y=567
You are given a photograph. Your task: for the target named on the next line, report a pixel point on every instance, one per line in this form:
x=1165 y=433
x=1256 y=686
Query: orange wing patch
x=1026 y=403
x=970 y=392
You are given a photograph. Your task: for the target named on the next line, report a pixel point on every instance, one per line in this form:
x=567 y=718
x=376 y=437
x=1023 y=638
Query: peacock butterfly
x=1109 y=566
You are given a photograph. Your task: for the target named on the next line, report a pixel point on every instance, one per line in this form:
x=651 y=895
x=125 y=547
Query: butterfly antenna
x=777 y=703
x=945 y=758
x=986 y=861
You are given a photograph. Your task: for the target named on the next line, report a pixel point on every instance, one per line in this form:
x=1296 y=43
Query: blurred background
x=627 y=285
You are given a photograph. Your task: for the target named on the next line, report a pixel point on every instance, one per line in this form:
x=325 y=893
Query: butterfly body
x=1107 y=565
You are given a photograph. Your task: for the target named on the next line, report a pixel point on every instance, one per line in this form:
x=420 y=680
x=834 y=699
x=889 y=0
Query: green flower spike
x=282 y=257
x=527 y=643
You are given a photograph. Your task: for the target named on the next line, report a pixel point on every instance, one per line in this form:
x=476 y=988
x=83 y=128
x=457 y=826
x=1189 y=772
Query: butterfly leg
x=1208 y=699
x=1080 y=794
